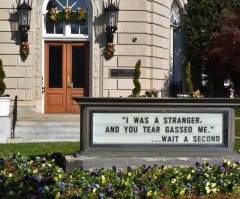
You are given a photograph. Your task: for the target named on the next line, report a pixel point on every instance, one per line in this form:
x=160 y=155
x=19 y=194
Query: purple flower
x=40 y=190
x=114 y=168
x=109 y=186
x=81 y=181
x=2 y=161
x=96 y=186
x=101 y=196
x=197 y=164
x=135 y=187
x=2 y=176
x=62 y=184
x=110 y=193
x=89 y=187
x=144 y=188
x=199 y=170
x=221 y=169
x=129 y=169
x=135 y=193
x=195 y=179
x=39 y=178
x=221 y=181
x=119 y=174
x=14 y=161
x=204 y=181
x=38 y=159
x=95 y=173
x=161 y=186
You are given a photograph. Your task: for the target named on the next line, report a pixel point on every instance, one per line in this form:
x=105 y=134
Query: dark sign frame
x=89 y=106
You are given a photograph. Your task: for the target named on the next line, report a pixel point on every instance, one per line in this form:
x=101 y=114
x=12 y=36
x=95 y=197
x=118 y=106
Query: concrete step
x=46 y=131
x=48 y=123
x=49 y=117
x=47 y=128
x=36 y=140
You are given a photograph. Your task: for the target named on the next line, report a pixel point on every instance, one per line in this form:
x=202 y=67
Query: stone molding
x=37 y=71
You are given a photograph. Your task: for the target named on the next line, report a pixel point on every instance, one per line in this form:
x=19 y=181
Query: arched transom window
x=65 y=29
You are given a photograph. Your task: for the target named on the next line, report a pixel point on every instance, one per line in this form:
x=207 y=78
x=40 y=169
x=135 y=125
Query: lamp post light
x=111 y=9
x=24 y=17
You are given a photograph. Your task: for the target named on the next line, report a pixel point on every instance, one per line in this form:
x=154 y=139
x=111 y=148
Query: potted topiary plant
x=189 y=84
x=136 y=82
x=189 y=79
x=4 y=99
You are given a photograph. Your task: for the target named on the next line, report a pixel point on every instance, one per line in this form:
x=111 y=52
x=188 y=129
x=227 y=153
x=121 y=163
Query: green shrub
x=188 y=79
x=137 y=84
x=2 y=76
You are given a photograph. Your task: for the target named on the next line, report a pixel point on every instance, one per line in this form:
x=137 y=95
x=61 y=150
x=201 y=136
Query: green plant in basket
x=2 y=76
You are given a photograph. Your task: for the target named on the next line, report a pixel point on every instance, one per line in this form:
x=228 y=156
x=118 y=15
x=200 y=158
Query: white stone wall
x=148 y=20
x=18 y=73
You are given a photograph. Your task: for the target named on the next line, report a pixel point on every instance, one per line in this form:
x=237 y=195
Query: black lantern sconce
x=24 y=17
x=111 y=9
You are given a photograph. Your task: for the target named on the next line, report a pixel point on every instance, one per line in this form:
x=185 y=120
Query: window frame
x=175 y=43
x=67 y=35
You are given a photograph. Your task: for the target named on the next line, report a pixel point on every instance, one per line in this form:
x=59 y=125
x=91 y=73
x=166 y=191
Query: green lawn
x=29 y=149
x=237 y=127
x=35 y=149
x=237 y=112
x=237 y=144
x=237 y=122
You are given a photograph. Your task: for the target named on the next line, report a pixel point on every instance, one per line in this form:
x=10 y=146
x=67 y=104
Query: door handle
x=69 y=85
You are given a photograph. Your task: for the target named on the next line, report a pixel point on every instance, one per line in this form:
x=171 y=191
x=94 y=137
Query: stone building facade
x=150 y=30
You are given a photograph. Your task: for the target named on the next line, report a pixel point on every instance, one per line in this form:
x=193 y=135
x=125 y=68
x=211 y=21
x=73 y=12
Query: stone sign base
x=135 y=131
x=91 y=162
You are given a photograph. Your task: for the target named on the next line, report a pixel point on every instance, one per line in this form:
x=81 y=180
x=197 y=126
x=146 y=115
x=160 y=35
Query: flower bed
x=44 y=177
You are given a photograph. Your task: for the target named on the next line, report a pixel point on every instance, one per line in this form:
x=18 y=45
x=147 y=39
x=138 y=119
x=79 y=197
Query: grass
x=237 y=127
x=237 y=112
x=237 y=122
x=66 y=148
x=29 y=149
x=237 y=144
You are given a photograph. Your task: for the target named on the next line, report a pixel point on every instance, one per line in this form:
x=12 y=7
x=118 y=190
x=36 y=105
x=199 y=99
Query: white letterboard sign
x=157 y=128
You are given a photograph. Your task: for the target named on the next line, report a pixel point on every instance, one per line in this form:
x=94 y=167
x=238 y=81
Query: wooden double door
x=66 y=75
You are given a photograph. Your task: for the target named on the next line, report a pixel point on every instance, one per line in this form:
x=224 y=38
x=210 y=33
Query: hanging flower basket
x=108 y=51
x=24 y=50
x=80 y=16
